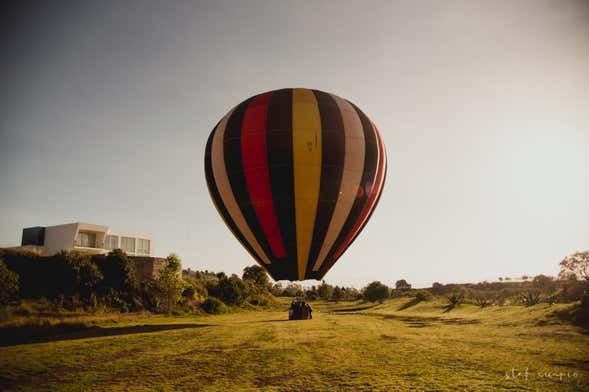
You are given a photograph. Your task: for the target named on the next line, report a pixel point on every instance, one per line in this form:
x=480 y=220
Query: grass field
x=347 y=346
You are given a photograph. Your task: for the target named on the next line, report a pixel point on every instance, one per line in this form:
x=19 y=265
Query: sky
x=105 y=108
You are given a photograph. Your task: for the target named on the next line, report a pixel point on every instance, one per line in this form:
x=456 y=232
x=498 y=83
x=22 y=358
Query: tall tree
x=338 y=293
x=170 y=281
x=576 y=264
x=257 y=275
x=325 y=291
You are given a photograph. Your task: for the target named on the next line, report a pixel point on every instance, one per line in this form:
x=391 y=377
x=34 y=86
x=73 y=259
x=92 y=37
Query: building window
x=142 y=246
x=128 y=244
x=111 y=242
x=86 y=239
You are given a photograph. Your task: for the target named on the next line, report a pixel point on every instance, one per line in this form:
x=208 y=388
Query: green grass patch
x=346 y=346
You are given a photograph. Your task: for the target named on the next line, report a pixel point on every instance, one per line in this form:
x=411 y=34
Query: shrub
x=189 y=293
x=437 y=288
x=376 y=291
x=232 y=290
x=8 y=284
x=214 y=306
x=423 y=295
x=572 y=290
x=483 y=300
x=259 y=300
x=399 y=293
x=530 y=298
x=455 y=299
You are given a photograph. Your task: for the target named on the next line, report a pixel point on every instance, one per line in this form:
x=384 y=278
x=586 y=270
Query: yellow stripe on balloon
x=306 y=142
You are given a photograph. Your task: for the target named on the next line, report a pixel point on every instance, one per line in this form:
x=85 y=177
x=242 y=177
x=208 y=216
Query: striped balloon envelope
x=295 y=174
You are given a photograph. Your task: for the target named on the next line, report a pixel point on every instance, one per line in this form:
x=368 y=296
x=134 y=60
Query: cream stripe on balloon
x=226 y=193
x=351 y=176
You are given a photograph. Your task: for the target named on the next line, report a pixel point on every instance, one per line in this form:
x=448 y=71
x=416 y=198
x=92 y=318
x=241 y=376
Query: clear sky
x=105 y=107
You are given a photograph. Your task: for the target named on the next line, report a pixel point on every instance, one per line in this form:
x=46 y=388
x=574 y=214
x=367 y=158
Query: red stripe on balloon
x=374 y=191
x=255 y=166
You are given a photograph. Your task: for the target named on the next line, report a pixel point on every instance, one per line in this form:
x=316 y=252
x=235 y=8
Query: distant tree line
x=571 y=285
x=531 y=291
x=540 y=288
x=324 y=291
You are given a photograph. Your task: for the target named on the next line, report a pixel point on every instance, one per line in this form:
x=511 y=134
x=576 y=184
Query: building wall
x=148 y=267
x=59 y=237
x=63 y=237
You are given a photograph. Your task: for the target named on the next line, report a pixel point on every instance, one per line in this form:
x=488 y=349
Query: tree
x=525 y=278
x=276 y=289
x=232 y=290
x=325 y=291
x=337 y=294
x=292 y=290
x=402 y=284
x=76 y=276
x=577 y=264
x=170 y=282
x=257 y=275
x=376 y=291
x=311 y=294
x=545 y=284
x=88 y=276
x=437 y=288
x=119 y=272
x=8 y=284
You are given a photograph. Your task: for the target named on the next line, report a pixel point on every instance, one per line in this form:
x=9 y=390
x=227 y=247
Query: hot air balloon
x=295 y=174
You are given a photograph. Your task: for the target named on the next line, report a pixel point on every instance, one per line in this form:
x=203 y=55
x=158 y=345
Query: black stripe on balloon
x=280 y=166
x=372 y=208
x=333 y=150
x=368 y=176
x=214 y=192
x=234 y=165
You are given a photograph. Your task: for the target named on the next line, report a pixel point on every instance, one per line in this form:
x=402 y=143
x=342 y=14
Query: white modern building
x=84 y=237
